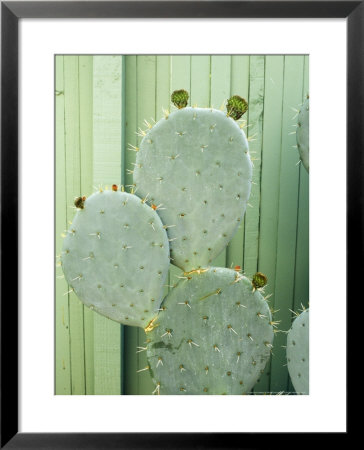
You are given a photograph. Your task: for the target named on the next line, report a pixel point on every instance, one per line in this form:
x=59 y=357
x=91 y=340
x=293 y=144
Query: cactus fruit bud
x=79 y=202
x=180 y=98
x=114 y=187
x=259 y=280
x=236 y=106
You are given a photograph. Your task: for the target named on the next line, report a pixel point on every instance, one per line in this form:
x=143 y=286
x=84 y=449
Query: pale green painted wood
x=255 y=138
x=85 y=72
x=107 y=170
x=287 y=221
x=130 y=333
x=301 y=295
x=301 y=284
x=73 y=189
x=200 y=84
x=240 y=66
x=62 y=344
x=270 y=174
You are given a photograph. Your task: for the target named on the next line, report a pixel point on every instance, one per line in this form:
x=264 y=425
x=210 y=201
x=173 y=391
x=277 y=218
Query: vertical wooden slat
x=85 y=66
x=255 y=136
x=240 y=68
x=287 y=219
x=301 y=295
x=301 y=284
x=107 y=170
x=73 y=188
x=131 y=333
x=200 y=86
x=62 y=361
x=220 y=92
x=270 y=178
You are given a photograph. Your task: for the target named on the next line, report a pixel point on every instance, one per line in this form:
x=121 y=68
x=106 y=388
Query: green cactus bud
x=236 y=106
x=79 y=202
x=180 y=98
x=259 y=280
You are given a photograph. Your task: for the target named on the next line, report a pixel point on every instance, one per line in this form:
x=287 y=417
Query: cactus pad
x=115 y=257
x=298 y=353
x=302 y=133
x=236 y=106
x=195 y=164
x=212 y=336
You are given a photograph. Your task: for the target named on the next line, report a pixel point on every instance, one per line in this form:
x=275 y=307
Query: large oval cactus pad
x=196 y=164
x=213 y=335
x=116 y=257
x=298 y=353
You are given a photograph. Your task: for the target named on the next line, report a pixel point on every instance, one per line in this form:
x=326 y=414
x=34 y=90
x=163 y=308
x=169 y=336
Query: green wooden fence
x=100 y=101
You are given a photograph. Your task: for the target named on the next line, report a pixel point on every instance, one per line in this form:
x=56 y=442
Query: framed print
x=204 y=287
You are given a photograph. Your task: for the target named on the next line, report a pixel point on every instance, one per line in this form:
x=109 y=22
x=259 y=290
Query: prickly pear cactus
x=302 y=133
x=195 y=169
x=298 y=353
x=115 y=256
x=213 y=335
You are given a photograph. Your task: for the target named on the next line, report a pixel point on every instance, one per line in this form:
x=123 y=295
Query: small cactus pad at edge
x=298 y=353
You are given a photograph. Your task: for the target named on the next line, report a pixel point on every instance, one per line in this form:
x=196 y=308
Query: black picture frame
x=11 y=12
